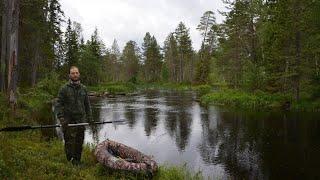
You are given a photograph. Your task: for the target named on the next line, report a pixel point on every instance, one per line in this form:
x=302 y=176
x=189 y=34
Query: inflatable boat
x=118 y=156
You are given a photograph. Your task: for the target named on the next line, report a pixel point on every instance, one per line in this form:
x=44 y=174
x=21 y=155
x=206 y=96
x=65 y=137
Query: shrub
x=203 y=89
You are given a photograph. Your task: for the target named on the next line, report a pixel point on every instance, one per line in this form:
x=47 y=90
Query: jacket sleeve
x=88 y=107
x=60 y=103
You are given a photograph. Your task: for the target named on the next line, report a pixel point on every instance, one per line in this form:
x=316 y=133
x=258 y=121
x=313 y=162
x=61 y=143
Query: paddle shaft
x=26 y=127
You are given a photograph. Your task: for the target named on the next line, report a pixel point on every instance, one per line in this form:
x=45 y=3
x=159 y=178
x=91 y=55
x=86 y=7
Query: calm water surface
x=222 y=143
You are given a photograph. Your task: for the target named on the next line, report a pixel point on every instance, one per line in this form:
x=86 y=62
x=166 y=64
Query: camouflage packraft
x=118 y=156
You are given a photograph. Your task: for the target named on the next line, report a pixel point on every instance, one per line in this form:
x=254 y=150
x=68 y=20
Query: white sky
x=126 y=20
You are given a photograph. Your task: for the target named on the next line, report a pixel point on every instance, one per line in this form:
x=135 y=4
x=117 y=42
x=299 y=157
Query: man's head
x=74 y=73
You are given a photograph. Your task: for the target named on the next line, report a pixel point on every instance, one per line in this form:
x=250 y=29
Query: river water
x=221 y=143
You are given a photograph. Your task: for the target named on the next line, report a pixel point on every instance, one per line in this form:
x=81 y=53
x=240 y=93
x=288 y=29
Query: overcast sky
x=126 y=20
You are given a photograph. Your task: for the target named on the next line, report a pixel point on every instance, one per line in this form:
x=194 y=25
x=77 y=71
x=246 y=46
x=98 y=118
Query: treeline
x=265 y=45
x=270 y=45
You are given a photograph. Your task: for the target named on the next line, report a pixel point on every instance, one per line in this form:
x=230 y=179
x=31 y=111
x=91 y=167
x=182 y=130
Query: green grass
x=24 y=155
x=177 y=173
x=114 y=88
x=165 y=86
x=244 y=100
x=258 y=100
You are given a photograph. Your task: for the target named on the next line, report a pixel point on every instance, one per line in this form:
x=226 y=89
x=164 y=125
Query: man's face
x=74 y=74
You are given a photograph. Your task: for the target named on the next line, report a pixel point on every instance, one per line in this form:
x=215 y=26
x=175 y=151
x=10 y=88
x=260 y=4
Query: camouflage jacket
x=73 y=100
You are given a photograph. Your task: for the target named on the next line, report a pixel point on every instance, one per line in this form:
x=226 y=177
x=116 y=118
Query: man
x=73 y=107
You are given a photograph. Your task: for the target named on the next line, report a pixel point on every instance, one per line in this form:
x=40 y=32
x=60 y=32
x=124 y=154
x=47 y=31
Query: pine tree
x=115 y=61
x=151 y=58
x=238 y=42
x=91 y=60
x=207 y=22
x=171 y=57
x=54 y=15
x=203 y=65
x=130 y=59
x=72 y=45
x=185 y=53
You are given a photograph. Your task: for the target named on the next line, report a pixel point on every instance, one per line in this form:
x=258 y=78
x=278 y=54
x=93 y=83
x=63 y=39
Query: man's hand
x=63 y=122
x=90 y=121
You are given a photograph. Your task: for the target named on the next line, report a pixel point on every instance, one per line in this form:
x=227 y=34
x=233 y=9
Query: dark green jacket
x=73 y=101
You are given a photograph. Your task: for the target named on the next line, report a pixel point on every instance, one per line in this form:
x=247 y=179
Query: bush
x=316 y=87
x=240 y=99
x=203 y=89
x=254 y=76
x=37 y=101
x=114 y=88
x=44 y=91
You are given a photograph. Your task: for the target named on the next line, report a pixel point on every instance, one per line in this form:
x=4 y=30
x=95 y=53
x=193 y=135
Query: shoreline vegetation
x=218 y=95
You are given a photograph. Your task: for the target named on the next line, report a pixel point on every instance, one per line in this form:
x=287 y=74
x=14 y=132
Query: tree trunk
x=13 y=22
x=36 y=60
x=317 y=65
x=4 y=49
x=253 y=41
x=297 y=11
x=298 y=60
x=192 y=69
x=181 y=69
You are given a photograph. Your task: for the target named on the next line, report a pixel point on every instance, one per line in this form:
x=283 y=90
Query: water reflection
x=178 y=121
x=222 y=143
x=151 y=112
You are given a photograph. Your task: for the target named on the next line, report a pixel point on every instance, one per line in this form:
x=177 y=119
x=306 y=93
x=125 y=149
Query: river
x=221 y=143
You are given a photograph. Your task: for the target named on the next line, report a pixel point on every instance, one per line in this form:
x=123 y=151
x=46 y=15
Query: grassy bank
x=115 y=88
x=258 y=100
x=25 y=155
x=165 y=86
x=218 y=95
x=30 y=155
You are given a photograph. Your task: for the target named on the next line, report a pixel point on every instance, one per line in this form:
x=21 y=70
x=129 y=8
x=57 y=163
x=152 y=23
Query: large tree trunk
x=317 y=65
x=297 y=11
x=36 y=60
x=13 y=26
x=4 y=46
x=253 y=41
x=181 y=69
x=298 y=60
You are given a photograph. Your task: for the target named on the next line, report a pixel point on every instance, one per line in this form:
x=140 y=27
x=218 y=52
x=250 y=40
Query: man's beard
x=75 y=80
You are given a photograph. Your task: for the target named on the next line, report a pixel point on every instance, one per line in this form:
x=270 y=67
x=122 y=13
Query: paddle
x=26 y=127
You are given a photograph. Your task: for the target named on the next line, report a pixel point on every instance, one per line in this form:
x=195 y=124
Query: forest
x=265 y=54
x=262 y=45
